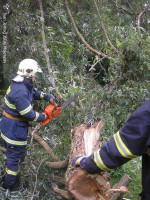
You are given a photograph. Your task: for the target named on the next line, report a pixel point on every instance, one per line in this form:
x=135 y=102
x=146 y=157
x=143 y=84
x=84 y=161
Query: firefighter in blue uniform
x=18 y=110
x=131 y=141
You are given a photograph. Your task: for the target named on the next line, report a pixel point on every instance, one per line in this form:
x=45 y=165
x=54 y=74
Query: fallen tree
x=80 y=185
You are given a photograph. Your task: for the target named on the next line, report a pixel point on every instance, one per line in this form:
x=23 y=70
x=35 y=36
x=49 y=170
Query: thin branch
x=46 y=50
x=80 y=35
x=36 y=179
x=130 y=6
x=103 y=27
x=122 y=8
x=92 y=67
x=139 y=19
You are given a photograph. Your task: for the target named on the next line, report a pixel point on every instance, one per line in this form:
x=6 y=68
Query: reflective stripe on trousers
x=15 y=156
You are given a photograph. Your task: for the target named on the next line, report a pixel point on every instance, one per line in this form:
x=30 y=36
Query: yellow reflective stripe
x=122 y=148
x=8 y=90
x=42 y=95
x=25 y=111
x=78 y=160
x=13 y=141
x=12 y=106
x=98 y=161
x=37 y=115
x=11 y=172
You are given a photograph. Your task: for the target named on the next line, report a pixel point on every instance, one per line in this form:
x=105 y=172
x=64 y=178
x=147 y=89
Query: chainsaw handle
x=52 y=111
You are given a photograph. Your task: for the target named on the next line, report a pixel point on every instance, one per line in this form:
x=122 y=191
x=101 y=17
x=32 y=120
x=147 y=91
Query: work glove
x=52 y=100
x=78 y=161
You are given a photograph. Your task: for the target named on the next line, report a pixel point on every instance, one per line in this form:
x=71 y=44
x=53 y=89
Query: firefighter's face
x=33 y=78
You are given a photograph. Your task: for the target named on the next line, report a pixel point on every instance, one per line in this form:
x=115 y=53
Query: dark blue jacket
x=131 y=141
x=18 y=102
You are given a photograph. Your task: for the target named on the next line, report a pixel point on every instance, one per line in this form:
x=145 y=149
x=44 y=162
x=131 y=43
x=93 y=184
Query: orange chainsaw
x=53 y=111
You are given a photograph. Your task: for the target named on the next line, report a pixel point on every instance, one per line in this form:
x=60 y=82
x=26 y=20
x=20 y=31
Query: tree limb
x=80 y=35
x=103 y=27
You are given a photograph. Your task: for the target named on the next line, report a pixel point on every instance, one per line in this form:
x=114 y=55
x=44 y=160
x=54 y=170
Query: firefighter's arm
x=126 y=144
x=25 y=109
x=39 y=95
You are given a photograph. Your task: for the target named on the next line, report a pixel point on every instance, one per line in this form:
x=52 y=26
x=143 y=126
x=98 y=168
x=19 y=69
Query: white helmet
x=28 y=68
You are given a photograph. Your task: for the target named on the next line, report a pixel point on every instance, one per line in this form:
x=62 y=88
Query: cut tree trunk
x=82 y=185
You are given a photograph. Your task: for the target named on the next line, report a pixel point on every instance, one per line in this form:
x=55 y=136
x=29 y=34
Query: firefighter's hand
x=52 y=100
x=78 y=161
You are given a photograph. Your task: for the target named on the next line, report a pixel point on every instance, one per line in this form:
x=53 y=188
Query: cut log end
x=84 y=186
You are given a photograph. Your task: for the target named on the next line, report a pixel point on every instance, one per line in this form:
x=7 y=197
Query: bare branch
x=139 y=19
x=80 y=35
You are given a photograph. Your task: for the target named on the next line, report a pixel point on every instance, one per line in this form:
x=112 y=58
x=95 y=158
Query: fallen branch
x=57 y=165
x=43 y=143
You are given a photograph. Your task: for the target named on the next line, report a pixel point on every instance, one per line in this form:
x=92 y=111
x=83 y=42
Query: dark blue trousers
x=14 y=157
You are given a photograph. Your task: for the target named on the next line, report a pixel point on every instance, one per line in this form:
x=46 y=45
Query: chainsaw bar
x=67 y=103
